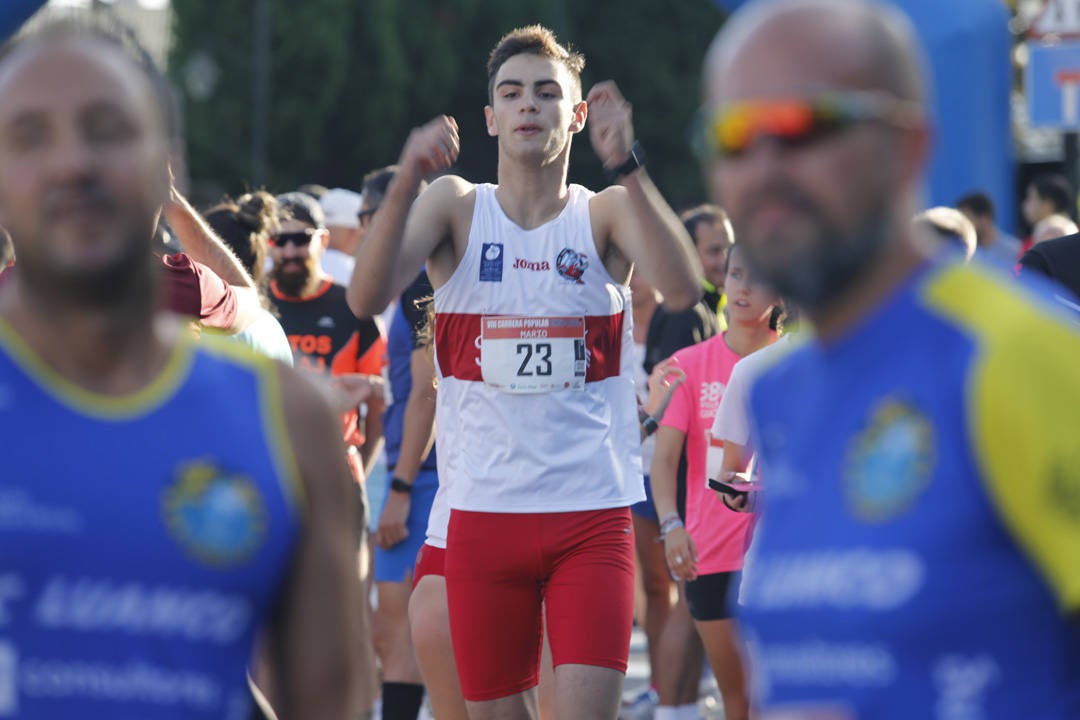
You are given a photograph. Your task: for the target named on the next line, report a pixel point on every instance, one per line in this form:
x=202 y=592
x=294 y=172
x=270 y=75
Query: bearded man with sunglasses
x=917 y=556
x=326 y=338
x=345 y=352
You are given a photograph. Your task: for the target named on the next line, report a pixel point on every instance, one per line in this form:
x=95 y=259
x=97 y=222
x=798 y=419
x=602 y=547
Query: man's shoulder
x=603 y=203
x=1020 y=330
x=449 y=191
x=1062 y=249
x=697 y=314
x=671 y=331
x=756 y=363
x=782 y=362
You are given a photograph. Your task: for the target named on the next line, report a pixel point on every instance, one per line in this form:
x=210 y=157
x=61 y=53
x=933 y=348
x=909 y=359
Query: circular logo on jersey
x=571 y=265
x=217 y=518
x=493 y=252
x=889 y=463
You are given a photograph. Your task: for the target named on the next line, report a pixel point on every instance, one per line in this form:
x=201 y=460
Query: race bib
x=521 y=354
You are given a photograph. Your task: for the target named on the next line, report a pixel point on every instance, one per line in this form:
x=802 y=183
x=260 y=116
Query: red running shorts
x=503 y=568
x=430 y=560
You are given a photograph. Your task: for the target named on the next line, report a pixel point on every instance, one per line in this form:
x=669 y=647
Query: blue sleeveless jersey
x=402 y=339
x=143 y=540
x=919 y=551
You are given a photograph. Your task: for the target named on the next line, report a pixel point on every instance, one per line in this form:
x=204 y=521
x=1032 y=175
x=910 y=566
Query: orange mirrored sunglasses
x=798 y=122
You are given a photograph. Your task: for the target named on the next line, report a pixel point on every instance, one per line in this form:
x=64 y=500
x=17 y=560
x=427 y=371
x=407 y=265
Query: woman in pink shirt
x=707 y=552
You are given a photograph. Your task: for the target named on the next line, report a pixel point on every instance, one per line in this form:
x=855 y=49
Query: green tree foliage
x=350 y=78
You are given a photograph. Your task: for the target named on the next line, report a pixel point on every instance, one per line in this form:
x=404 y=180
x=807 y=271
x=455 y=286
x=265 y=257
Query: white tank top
x=534 y=353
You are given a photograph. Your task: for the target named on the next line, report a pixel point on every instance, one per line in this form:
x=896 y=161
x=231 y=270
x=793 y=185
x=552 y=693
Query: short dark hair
x=106 y=28
x=298 y=206
x=375 y=184
x=1056 y=190
x=534 y=40
x=978 y=204
x=708 y=214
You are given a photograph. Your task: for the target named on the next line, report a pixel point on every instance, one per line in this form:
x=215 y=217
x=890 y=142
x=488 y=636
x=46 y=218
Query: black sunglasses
x=301 y=238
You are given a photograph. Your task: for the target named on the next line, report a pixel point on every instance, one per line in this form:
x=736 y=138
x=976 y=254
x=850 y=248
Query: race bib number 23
x=521 y=354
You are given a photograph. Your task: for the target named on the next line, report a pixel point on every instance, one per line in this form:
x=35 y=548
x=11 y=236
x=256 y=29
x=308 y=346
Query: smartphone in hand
x=738 y=484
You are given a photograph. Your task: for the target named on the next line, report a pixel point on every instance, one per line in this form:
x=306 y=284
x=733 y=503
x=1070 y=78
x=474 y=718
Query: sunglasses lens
x=792 y=121
x=732 y=129
x=300 y=239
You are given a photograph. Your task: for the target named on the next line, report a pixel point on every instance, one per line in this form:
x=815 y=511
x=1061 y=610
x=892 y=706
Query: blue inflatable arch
x=969 y=49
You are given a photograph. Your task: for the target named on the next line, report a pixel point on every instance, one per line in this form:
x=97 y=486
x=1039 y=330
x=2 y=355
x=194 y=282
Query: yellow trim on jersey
x=278 y=435
x=272 y=412
x=1024 y=396
x=104 y=407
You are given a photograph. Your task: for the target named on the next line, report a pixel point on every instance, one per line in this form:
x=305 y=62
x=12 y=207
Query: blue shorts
x=645 y=508
x=395 y=564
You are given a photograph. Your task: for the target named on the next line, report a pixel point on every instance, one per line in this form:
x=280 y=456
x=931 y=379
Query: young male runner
x=536 y=417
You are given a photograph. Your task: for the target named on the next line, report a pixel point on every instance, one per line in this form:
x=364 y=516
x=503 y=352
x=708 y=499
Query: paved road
x=637 y=682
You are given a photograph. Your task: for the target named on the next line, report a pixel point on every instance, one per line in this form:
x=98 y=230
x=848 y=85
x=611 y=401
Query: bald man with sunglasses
x=917 y=552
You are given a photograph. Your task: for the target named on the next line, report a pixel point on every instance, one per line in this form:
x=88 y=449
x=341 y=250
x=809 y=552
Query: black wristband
x=635 y=160
x=649 y=425
x=401 y=486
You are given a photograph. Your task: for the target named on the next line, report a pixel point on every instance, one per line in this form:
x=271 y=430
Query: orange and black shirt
x=326 y=337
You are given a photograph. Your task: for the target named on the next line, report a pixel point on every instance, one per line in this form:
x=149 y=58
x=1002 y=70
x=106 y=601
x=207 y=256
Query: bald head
x=835 y=44
x=108 y=40
x=818 y=197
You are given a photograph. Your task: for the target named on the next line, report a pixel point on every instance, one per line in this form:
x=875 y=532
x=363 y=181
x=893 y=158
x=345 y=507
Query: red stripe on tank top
x=457 y=345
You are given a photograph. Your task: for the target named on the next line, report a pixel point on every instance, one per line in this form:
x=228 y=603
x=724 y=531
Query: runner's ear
x=581 y=114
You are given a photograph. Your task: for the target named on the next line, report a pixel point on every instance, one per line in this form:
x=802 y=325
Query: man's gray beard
x=814 y=282
x=129 y=279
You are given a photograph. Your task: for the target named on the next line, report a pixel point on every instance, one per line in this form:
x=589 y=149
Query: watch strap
x=636 y=159
x=401 y=486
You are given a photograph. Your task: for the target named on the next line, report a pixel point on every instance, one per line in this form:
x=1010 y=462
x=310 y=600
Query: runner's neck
x=866 y=295
x=532 y=195
x=107 y=351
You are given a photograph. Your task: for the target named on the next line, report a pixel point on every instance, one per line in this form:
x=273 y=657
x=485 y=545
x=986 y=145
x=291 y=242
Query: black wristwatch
x=635 y=160
x=649 y=425
x=399 y=485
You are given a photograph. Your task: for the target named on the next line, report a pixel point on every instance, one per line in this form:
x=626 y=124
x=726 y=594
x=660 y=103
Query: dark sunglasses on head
x=301 y=238
x=795 y=122
x=364 y=217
